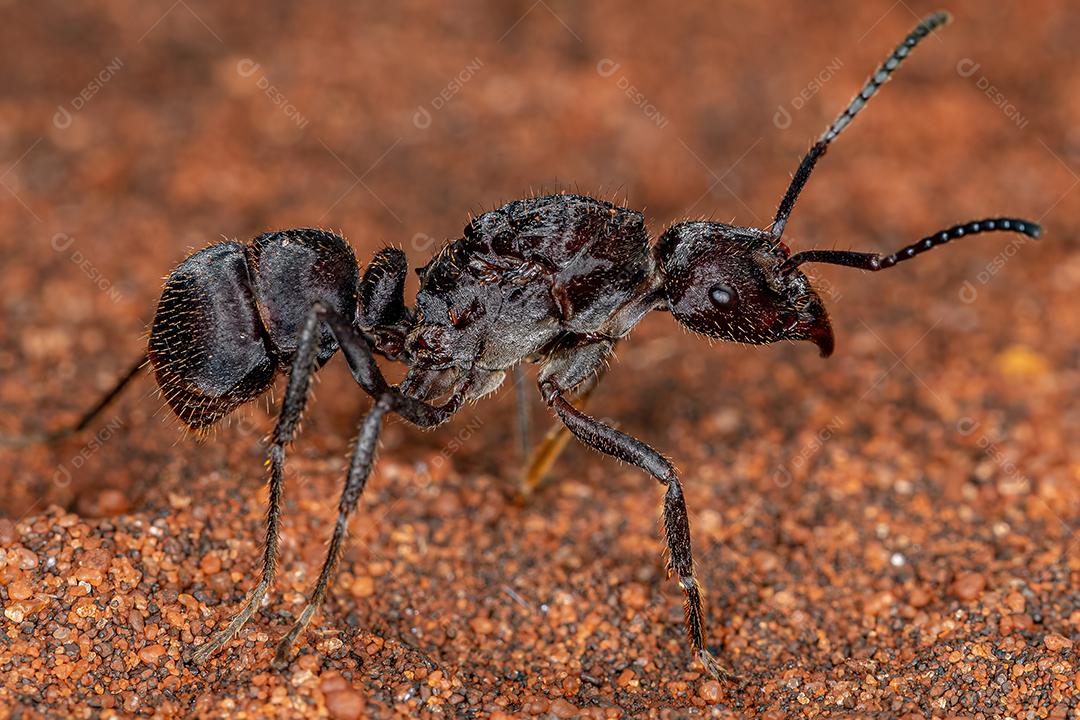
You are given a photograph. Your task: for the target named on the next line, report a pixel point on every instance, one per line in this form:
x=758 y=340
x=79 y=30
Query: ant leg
x=629 y=449
x=292 y=407
x=87 y=417
x=547 y=452
x=366 y=372
x=524 y=421
x=363 y=458
x=359 y=355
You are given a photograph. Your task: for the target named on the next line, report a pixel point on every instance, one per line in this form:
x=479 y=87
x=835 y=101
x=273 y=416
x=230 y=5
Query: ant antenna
x=84 y=421
x=802 y=174
x=876 y=261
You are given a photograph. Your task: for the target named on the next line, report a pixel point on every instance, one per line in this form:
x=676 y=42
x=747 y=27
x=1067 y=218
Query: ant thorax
x=527 y=279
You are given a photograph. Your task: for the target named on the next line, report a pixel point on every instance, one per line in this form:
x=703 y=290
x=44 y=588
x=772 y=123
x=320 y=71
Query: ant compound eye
x=723 y=295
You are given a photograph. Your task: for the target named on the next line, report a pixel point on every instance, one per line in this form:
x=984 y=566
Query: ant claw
x=281 y=655
x=713 y=667
x=200 y=656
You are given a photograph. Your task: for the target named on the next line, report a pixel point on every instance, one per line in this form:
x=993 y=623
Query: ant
x=555 y=280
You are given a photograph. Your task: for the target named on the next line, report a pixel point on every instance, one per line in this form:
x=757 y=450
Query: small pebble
x=562 y=709
x=482 y=625
x=968 y=585
x=20 y=590
x=210 y=564
x=1055 y=642
x=345 y=704
x=151 y=654
x=710 y=691
x=919 y=597
x=363 y=586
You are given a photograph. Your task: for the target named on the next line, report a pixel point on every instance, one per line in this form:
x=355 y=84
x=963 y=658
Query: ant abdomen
x=208 y=346
x=230 y=314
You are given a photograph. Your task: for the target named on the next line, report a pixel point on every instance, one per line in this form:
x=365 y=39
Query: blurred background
x=132 y=133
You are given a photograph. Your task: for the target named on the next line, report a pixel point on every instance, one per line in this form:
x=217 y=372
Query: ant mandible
x=555 y=280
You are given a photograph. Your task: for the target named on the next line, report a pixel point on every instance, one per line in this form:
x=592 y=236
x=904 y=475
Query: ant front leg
x=544 y=455
x=558 y=377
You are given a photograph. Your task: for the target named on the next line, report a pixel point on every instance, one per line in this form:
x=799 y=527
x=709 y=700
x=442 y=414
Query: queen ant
x=556 y=280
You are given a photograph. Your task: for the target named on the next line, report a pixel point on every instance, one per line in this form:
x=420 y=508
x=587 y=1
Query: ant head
x=740 y=284
x=726 y=282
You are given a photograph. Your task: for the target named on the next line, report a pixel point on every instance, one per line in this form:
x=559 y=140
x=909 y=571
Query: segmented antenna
x=802 y=174
x=876 y=261
x=87 y=417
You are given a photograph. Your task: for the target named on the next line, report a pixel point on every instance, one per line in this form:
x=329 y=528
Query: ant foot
x=713 y=667
x=281 y=655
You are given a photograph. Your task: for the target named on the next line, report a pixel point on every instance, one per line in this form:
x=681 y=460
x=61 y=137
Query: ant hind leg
x=292 y=408
x=363 y=459
x=358 y=353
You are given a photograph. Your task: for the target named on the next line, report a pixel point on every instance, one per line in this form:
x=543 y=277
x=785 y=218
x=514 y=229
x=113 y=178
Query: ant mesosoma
x=555 y=280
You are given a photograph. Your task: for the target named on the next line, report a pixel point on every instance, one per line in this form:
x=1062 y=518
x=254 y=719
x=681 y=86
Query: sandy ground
x=891 y=531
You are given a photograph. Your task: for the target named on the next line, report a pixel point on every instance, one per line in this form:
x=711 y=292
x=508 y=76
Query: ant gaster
x=555 y=280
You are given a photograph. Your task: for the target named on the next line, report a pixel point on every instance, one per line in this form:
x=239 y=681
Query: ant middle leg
x=292 y=408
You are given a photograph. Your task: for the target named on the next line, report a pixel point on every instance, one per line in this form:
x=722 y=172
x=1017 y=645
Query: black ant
x=555 y=280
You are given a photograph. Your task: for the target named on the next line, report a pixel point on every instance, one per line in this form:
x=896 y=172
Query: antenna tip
x=939 y=18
